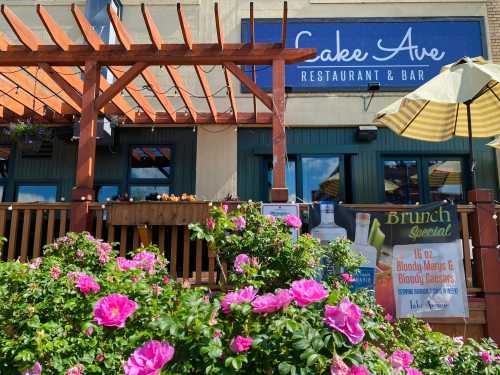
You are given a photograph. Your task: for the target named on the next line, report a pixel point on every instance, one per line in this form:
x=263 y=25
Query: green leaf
x=284 y=368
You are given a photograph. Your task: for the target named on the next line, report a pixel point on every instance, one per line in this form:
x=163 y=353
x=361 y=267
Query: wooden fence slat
x=123 y=240
x=111 y=232
x=135 y=240
x=38 y=234
x=211 y=266
x=62 y=223
x=464 y=221
x=12 y=235
x=25 y=234
x=186 y=253
x=98 y=223
x=50 y=226
x=3 y=220
x=199 y=257
x=173 y=252
x=161 y=239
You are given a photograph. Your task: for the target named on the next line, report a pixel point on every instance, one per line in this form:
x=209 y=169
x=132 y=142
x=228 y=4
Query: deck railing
x=30 y=226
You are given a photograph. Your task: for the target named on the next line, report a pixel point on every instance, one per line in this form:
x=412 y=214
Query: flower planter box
x=157 y=213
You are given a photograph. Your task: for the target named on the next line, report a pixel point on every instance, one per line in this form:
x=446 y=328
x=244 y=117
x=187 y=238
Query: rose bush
x=83 y=310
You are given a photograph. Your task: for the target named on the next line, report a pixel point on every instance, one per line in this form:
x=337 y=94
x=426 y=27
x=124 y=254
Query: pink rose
x=87 y=284
x=55 y=272
x=240 y=260
x=217 y=334
x=149 y=359
x=75 y=370
x=305 y=292
x=100 y=357
x=347 y=277
x=345 y=318
x=239 y=222
x=79 y=254
x=244 y=295
x=388 y=317
x=401 y=360
x=338 y=366
x=166 y=279
x=486 y=357
x=35 y=370
x=284 y=297
x=413 y=371
x=113 y=310
x=359 y=370
x=269 y=303
x=225 y=208
x=265 y=304
x=292 y=221
x=146 y=260
x=210 y=224
x=89 y=331
x=35 y=263
x=241 y=344
x=126 y=264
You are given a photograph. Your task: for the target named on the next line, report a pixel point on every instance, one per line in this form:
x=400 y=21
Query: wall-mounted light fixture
x=372 y=88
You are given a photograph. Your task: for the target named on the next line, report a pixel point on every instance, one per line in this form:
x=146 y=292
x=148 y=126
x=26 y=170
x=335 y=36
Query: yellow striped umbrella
x=463 y=100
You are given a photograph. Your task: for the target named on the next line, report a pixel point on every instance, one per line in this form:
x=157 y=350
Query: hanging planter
x=28 y=136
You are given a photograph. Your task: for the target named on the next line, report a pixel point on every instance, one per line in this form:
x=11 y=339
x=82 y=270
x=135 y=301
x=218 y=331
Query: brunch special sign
x=400 y=54
x=419 y=259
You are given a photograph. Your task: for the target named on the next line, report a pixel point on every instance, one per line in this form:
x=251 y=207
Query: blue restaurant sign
x=399 y=54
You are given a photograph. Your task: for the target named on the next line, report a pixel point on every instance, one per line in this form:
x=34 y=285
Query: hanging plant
x=29 y=136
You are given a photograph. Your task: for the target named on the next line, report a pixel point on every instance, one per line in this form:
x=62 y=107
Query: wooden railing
x=190 y=261
x=29 y=226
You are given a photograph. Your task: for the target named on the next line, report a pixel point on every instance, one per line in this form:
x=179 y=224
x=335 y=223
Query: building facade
x=370 y=53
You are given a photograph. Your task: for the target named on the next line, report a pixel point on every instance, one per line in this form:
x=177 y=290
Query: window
x=36 y=193
x=321 y=178
x=401 y=182
x=311 y=178
x=290 y=177
x=409 y=180
x=105 y=192
x=4 y=169
x=150 y=171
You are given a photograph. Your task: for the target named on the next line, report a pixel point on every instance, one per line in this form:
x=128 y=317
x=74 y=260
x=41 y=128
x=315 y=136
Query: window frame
x=6 y=181
x=100 y=183
x=149 y=181
x=422 y=165
x=299 y=168
x=35 y=182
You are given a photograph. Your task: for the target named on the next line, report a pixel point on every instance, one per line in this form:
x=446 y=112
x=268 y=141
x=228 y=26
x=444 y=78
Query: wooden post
x=83 y=192
x=486 y=256
x=279 y=192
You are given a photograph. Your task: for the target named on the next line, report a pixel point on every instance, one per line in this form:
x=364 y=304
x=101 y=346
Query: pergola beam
x=29 y=101
x=20 y=79
x=150 y=79
x=251 y=85
x=96 y=43
x=227 y=76
x=252 y=46
x=171 y=54
x=205 y=118
x=119 y=84
x=188 y=41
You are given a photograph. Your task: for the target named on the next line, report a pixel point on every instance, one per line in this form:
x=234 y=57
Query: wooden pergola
x=44 y=83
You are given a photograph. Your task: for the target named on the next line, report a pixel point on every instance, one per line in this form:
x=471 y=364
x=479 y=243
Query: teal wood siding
x=111 y=162
x=59 y=169
x=254 y=145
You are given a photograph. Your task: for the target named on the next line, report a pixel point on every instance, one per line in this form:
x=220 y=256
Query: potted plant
x=29 y=136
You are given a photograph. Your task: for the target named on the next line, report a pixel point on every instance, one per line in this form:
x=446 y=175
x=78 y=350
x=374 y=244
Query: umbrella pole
x=471 y=151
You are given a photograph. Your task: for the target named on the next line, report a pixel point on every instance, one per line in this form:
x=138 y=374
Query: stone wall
x=494 y=28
